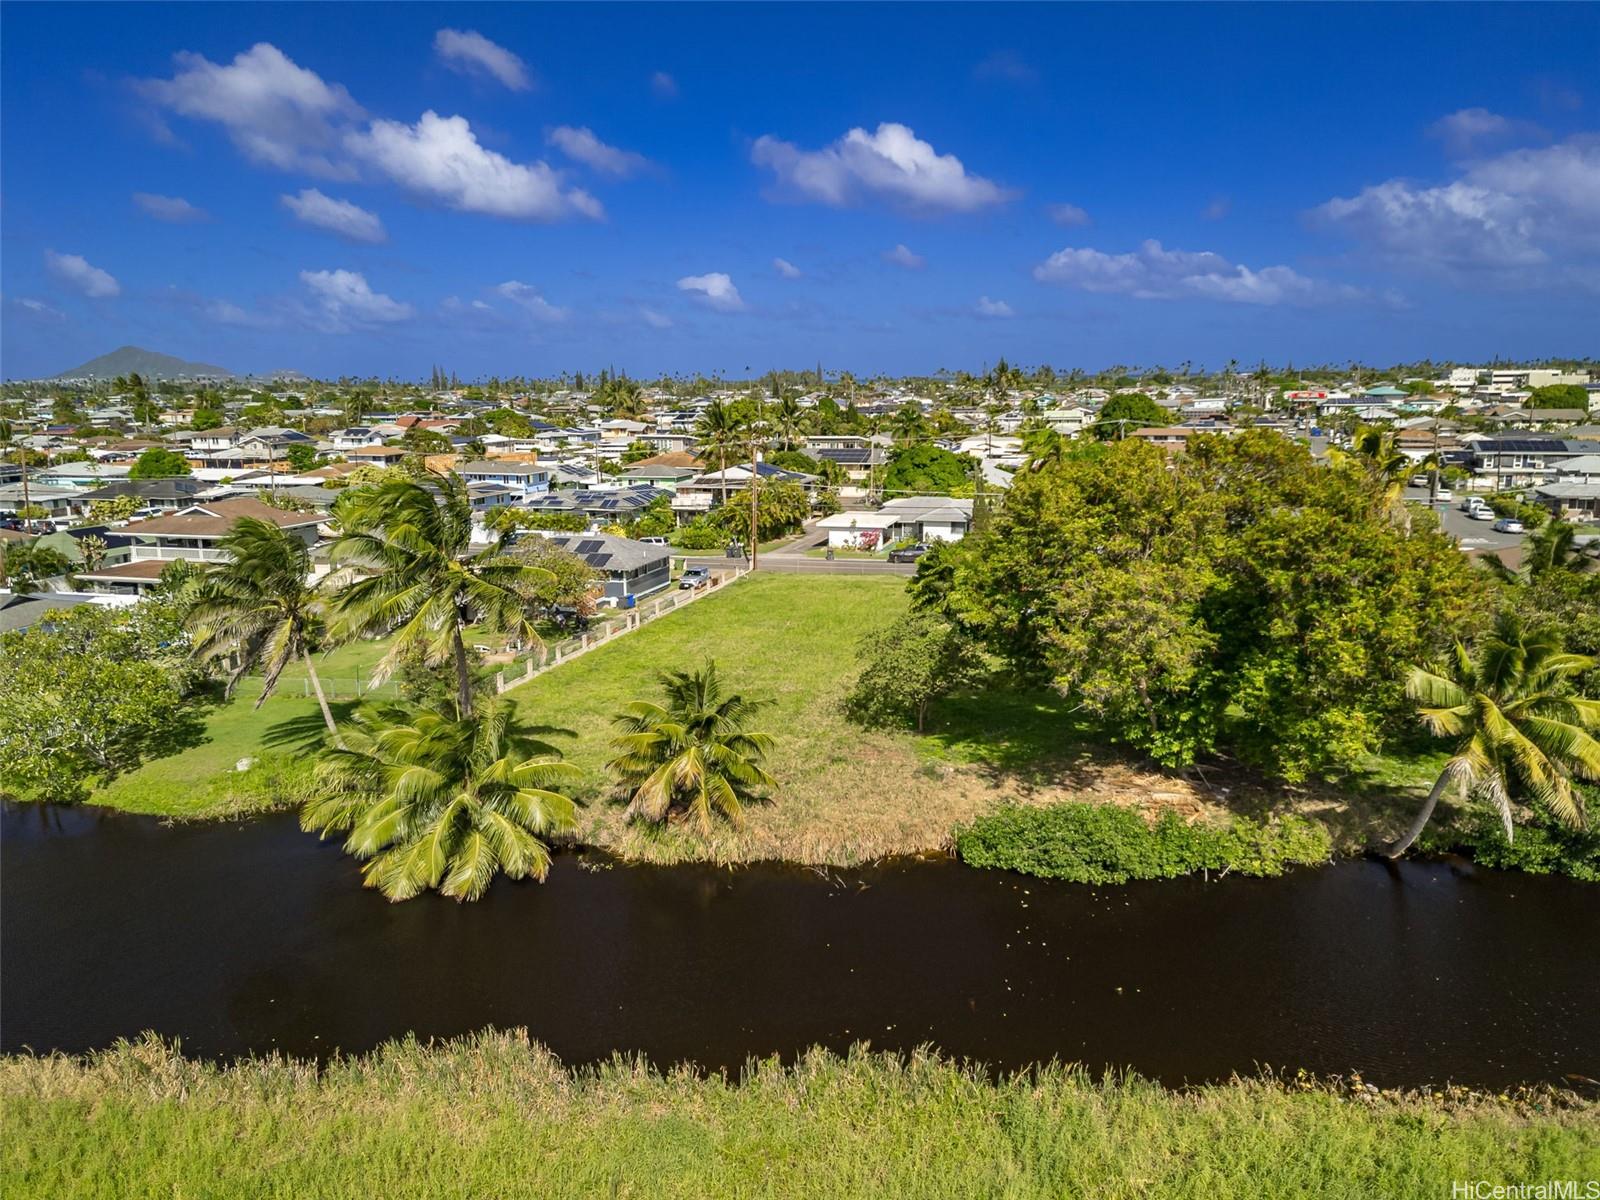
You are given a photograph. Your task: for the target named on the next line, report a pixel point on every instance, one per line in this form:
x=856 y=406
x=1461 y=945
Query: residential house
x=697 y=496
x=57 y=502
x=908 y=518
x=1527 y=460
x=600 y=505
x=627 y=567
x=524 y=480
x=191 y=533
x=163 y=494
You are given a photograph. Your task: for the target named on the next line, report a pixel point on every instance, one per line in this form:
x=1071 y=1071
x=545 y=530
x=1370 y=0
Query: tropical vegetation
x=430 y=799
x=695 y=753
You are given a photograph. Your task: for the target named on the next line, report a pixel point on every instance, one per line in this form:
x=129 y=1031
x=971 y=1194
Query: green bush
x=1504 y=504
x=1539 y=847
x=699 y=534
x=1101 y=843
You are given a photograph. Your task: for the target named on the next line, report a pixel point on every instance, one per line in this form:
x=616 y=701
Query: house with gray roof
x=627 y=568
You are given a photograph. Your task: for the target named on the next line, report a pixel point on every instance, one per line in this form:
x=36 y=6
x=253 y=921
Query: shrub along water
x=1101 y=843
x=1541 y=847
x=497 y=1116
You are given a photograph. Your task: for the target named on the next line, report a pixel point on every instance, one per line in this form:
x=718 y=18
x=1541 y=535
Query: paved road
x=1475 y=537
x=800 y=565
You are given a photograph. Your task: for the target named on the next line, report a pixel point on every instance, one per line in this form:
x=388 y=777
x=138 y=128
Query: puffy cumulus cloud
x=470 y=53
x=1464 y=131
x=994 y=308
x=786 y=268
x=1522 y=218
x=276 y=112
x=891 y=164
x=344 y=300
x=1068 y=214
x=664 y=85
x=526 y=297
x=581 y=145
x=1153 y=272
x=349 y=221
x=440 y=158
x=903 y=256
x=77 y=273
x=175 y=210
x=715 y=290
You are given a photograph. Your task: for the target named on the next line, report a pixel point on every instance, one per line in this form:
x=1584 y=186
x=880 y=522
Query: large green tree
x=694 y=752
x=431 y=799
x=1519 y=730
x=926 y=470
x=1241 y=595
x=1124 y=413
x=407 y=567
x=260 y=607
x=907 y=666
x=158 y=463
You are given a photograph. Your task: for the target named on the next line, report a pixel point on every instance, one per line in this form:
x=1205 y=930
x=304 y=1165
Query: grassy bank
x=845 y=794
x=495 y=1116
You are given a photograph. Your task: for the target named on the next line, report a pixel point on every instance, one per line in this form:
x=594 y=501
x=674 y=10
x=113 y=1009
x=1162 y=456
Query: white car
x=1419 y=481
x=1508 y=525
x=1444 y=495
x=1480 y=512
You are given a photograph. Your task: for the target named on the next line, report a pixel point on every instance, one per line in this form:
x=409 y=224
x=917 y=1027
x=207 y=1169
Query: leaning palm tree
x=692 y=751
x=406 y=567
x=259 y=606
x=1516 y=725
x=1374 y=451
x=430 y=799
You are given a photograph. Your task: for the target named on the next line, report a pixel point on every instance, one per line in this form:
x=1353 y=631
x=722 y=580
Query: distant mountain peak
x=130 y=360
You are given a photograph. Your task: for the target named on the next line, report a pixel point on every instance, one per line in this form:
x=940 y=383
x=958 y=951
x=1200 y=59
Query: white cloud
x=903 y=256
x=1155 y=273
x=786 y=268
x=470 y=53
x=654 y=319
x=441 y=158
x=345 y=300
x=892 y=164
x=1520 y=218
x=664 y=85
x=527 y=297
x=277 y=113
x=994 y=308
x=716 y=291
x=348 y=220
x=225 y=312
x=1068 y=214
x=39 y=308
x=172 y=209
x=1465 y=130
x=581 y=145
x=75 y=271
x=1218 y=208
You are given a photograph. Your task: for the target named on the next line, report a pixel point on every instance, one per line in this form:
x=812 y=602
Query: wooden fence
x=619 y=624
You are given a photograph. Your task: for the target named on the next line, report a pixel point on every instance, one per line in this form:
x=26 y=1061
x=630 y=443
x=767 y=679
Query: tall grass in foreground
x=495 y=1116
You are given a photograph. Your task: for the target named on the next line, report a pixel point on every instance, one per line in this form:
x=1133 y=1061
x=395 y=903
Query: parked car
x=1419 y=481
x=694 y=577
x=1444 y=495
x=1480 y=512
x=653 y=541
x=1508 y=525
x=906 y=554
x=1472 y=502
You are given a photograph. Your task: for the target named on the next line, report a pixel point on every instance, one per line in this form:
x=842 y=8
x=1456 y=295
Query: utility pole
x=755 y=502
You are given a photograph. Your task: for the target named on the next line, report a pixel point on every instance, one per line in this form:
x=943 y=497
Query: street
x=1473 y=536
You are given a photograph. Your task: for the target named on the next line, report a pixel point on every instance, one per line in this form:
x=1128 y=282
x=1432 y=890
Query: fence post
x=499 y=682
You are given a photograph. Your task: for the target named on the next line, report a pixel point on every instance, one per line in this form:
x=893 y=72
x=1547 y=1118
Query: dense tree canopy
x=1240 y=596
x=1558 y=395
x=1122 y=414
x=158 y=463
x=926 y=470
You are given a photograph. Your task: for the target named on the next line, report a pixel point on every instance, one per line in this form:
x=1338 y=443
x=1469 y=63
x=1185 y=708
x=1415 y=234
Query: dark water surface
x=256 y=937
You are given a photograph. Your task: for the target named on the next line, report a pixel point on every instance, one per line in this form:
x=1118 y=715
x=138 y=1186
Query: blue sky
x=511 y=189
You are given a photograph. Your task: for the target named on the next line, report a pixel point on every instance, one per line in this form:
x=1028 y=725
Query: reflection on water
x=252 y=937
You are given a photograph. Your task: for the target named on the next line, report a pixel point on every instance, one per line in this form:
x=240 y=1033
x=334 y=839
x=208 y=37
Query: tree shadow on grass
x=1023 y=732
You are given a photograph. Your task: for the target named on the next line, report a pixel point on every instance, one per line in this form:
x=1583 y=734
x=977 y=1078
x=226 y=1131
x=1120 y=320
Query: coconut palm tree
x=719 y=430
x=1515 y=725
x=259 y=606
x=430 y=799
x=1373 y=451
x=786 y=416
x=406 y=567
x=1550 y=548
x=693 y=751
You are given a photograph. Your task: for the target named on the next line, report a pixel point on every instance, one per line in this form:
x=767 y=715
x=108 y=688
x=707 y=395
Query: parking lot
x=1474 y=536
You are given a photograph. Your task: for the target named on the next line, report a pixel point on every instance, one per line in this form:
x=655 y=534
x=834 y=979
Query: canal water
x=251 y=937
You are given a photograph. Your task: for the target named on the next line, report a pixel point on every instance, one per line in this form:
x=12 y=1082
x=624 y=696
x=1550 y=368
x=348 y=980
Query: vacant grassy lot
x=496 y=1116
x=845 y=795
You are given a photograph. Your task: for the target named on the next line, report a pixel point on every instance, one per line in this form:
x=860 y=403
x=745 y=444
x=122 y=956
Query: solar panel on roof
x=589 y=547
x=599 y=560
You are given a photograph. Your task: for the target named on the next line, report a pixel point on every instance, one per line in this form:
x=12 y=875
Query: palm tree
x=786 y=416
x=1374 y=451
x=431 y=799
x=693 y=750
x=719 y=429
x=406 y=568
x=259 y=605
x=1552 y=547
x=27 y=565
x=1514 y=723
x=1043 y=447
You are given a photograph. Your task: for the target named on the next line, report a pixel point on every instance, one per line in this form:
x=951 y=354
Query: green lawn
x=845 y=794
x=493 y=1116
